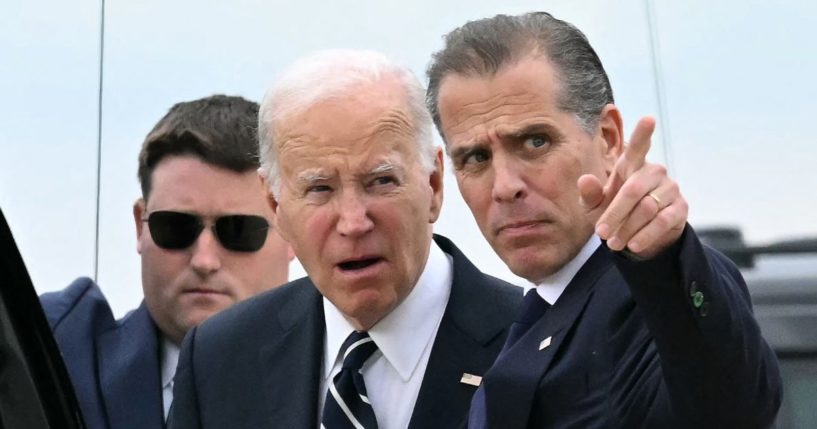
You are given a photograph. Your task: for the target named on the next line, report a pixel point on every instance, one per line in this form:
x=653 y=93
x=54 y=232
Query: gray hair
x=331 y=74
x=483 y=47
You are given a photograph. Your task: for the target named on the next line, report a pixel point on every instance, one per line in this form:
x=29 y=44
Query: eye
x=477 y=156
x=384 y=180
x=536 y=142
x=385 y=183
x=318 y=189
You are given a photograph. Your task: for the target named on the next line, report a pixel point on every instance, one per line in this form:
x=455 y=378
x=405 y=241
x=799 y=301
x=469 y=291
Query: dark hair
x=220 y=130
x=483 y=47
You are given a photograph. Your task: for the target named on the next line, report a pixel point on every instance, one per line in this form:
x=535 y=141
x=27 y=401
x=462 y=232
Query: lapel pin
x=473 y=380
x=544 y=344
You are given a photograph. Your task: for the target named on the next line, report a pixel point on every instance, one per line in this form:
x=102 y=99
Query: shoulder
x=82 y=302
x=479 y=303
x=277 y=308
x=482 y=286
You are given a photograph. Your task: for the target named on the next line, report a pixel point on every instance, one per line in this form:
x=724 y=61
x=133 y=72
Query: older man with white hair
x=394 y=326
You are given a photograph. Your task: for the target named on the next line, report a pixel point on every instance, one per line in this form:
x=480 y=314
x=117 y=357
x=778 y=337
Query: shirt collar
x=170 y=358
x=552 y=286
x=403 y=334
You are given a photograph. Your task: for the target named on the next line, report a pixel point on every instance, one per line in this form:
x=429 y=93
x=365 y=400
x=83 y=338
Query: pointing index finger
x=635 y=154
x=630 y=162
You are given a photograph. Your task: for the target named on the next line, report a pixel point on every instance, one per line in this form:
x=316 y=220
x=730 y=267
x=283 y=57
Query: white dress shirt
x=170 y=357
x=404 y=338
x=551 y=288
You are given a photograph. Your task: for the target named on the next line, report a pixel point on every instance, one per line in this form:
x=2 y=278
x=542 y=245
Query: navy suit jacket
x=632 y=347
x=114 y=364
x=258 y=364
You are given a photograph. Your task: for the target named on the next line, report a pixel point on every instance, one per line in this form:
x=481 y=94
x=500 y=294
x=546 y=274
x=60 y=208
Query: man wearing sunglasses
x=394 y=326
x=203 y=228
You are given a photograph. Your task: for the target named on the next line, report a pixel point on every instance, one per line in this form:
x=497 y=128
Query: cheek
x=558 y=180
x=307 y=230
x=557 y=187
x=404 y=218
x=159 y=263
x=160 y=271
x=276 y=250
x=293 y=222
x=264 y=269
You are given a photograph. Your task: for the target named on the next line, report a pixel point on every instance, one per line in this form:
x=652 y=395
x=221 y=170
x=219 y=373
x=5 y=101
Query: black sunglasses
x=176 y=230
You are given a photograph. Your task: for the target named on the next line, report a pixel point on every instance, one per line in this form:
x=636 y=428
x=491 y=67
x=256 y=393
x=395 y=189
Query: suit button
x=697 y=299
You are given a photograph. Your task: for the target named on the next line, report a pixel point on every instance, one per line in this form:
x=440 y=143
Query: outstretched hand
x=639 y=207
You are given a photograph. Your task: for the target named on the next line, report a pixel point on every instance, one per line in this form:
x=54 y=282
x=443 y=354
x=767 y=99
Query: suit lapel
x=128 y=359
x=471 y=333
x=291 y=362
x=513 y=381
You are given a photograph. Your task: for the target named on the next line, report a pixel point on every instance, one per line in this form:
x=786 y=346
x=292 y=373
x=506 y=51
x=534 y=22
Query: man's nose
x=206 y=257
x=353 y=216
x=509 y=185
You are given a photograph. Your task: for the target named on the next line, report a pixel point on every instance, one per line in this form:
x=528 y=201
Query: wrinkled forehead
x=360 y=127
x=314 y=156
x=529 y=87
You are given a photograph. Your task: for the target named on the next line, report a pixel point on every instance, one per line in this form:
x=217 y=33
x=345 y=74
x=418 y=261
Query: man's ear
x=610 y=135
x=276 y=220
x=435 y=181
x=273 y=204
x=265 y=184
x=138 y=212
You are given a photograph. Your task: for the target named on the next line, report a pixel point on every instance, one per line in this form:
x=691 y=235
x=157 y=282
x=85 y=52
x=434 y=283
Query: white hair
x=327 y=74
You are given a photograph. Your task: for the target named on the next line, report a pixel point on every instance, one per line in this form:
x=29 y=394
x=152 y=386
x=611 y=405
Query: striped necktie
x=347 y=404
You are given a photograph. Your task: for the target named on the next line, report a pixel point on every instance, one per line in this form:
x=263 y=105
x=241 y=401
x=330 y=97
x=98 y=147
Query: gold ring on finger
x=657 y=200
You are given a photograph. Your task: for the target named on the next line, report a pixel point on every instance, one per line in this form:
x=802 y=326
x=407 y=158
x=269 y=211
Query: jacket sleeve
x=716 y=368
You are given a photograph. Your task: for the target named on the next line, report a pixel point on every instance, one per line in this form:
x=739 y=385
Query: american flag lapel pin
x=473 y=380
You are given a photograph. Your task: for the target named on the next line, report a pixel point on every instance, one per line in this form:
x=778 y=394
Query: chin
x=532 y=267
x=369 y=312
x=200 y=316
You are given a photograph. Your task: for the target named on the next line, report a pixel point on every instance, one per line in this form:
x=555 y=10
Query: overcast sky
x=738 y=77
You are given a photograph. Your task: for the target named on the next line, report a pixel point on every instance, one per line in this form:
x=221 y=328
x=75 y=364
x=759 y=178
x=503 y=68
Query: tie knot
x=358 y=347
x=533 y=306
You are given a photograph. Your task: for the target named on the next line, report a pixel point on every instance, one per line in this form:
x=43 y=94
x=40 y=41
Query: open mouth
x=358 y=264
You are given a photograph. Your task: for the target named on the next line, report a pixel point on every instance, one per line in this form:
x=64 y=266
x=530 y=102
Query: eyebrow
x=311 y=176
x=464 y=150
x=316 y=175
x=514 y=134
x=384 y=167
x=525 y=131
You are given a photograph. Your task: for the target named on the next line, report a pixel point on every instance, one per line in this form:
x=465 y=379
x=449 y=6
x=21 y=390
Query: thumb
x=591 y=191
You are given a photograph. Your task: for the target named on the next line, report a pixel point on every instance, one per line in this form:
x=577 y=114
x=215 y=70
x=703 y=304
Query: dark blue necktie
x=533 y=307
x=347 y=403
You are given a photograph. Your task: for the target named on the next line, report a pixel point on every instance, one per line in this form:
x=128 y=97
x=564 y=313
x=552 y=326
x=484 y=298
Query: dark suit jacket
x=113 y=364
x=630 y=348
x=258 y=364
